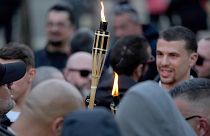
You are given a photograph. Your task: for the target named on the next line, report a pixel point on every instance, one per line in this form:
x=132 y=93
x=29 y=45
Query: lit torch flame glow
x=115 y=91
x=102 y=12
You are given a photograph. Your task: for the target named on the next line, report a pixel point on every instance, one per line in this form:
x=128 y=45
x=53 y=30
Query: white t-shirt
x=13 y=115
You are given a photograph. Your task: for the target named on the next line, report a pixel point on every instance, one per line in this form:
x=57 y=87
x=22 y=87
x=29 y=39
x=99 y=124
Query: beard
x=55 y=43
x=5 y=109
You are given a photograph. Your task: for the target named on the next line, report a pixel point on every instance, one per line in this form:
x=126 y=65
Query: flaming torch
x=99 y=51
x=115 y=95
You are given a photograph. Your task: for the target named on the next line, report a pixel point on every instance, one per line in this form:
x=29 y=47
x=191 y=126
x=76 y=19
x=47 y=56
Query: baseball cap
x=11 y=72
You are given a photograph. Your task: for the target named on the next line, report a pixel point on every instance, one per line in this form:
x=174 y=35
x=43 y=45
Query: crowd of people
x=164 y=81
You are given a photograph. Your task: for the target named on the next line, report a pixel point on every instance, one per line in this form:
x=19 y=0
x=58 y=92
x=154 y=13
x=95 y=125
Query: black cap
x=11 y=72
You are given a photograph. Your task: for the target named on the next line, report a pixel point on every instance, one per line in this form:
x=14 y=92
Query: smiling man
x=176 y=55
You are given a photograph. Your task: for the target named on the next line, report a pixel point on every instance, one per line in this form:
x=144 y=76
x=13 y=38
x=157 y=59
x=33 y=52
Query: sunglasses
x=83 y=73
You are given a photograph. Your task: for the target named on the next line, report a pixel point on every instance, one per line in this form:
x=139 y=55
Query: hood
x=98 y=122
x=148 y=110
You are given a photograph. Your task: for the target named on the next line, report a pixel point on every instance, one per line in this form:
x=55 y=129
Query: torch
x=115 y=95
x=99 y=51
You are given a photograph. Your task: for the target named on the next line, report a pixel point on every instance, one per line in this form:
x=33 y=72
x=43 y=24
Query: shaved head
x=51 y=99
x=78 y=71
x=82 y=60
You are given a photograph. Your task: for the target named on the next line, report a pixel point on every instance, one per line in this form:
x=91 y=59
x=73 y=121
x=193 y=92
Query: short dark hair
x=194 y=89
x=177 y=33
x=82 y=40
x=127 y=53
x=64 y=8
x=18 y=51
x=125 y=8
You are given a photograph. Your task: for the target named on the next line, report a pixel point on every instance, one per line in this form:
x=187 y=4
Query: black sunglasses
x=83 y=72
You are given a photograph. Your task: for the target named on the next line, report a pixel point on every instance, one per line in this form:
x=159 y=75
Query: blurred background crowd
x=166 y=41
x=24 y=20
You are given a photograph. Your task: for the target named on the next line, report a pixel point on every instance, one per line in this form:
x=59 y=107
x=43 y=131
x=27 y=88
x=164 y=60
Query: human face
x=173 y=62
x=6 y=101
x=59 y=28
x=75 y=74
x=124 y=26
x=193 y=116
x=21 y=86
x=203 y=70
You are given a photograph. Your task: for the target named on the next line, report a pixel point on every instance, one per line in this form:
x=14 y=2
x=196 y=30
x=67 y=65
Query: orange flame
x=102 y=12
x=115 y=91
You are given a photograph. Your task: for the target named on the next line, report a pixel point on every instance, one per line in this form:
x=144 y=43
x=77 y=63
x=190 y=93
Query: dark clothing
x=104 y=90
x=7 y=10
x=5 y=121
x=191 y=13
x=46 y=58
x=5 y=132
x=151 y=35
x=84 y=122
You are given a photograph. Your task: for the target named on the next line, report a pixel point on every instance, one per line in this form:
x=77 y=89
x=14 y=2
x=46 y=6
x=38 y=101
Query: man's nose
x=165 y=60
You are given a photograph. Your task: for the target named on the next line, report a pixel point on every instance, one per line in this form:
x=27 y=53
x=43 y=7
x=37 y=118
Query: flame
x=102 y=12
x=115 y=91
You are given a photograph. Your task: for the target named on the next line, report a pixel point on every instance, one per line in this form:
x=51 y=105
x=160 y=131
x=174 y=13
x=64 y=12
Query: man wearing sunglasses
x=78 y=71
x=202 y=66
x=192 y=98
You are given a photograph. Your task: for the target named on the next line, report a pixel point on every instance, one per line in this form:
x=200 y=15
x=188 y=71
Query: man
x=129 y=59
x=45 y=108
x=82 y=40
x=60 y=28
x=176 y=55
x=192 y=98
x=148 y=110
x=78 y=71
x=202 y=66
x=126 y=23
x=9 y=73
x=21 y=88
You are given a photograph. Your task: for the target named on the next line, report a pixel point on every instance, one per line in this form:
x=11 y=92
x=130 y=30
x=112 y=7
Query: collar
x=160 y=84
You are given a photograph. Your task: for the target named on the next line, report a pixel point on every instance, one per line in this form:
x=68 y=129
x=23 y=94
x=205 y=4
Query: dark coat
x=104 y=91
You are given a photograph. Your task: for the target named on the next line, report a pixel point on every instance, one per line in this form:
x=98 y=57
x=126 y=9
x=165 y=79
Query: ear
x=65 y=73
x=193 y=59
x=203 y=127
x=138 y=72
x=31 y=73
x=57 y=126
